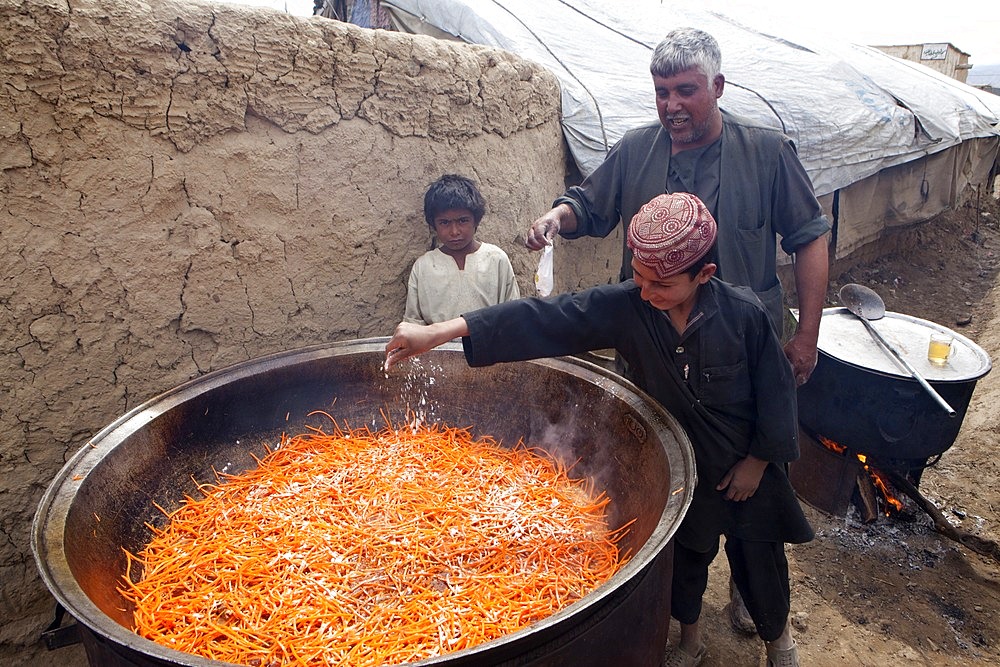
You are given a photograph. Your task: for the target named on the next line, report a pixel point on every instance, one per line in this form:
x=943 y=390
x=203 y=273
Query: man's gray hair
x=684 y=48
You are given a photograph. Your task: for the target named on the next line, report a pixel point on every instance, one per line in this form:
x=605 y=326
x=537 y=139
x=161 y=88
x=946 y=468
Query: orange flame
x=879 y=479
x=883 y=485
x=831 y=445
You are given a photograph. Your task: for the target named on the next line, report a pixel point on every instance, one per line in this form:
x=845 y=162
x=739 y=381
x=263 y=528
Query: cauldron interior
x=103 y=499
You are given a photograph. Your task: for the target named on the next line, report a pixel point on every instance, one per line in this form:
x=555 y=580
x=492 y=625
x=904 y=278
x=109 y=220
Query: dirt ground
x=896 y=590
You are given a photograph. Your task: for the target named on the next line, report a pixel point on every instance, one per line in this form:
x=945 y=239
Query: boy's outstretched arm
x=743 y=478
x=411 y=339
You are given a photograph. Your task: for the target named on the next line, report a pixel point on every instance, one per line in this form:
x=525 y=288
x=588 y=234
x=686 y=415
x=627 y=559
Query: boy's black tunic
x=725 y=379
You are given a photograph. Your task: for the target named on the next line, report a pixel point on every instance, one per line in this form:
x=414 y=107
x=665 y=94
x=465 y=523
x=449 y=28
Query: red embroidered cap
x=671 y=232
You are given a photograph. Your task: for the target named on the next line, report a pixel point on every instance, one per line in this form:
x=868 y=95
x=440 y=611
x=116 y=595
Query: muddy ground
x=896 y=591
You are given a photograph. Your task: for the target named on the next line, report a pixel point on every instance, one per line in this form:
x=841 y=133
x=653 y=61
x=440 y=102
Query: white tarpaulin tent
x=853 y=111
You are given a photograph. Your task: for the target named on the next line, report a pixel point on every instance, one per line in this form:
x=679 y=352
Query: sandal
x=675 y=656
x=783 y=657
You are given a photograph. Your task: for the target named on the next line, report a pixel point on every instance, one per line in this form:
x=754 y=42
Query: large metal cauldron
x=859 y=397
x=100 y=501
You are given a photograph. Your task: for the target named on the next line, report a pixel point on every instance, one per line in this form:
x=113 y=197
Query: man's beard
x=690 y=134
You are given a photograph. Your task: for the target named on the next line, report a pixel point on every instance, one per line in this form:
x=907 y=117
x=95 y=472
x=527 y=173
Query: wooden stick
x=978 y=544
x=866 y=492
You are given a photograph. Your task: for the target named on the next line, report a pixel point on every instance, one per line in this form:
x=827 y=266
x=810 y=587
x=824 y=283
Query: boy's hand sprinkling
x=412 y=339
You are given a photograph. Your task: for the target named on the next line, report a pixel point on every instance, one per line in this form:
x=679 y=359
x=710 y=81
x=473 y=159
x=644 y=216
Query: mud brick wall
x=186 y=185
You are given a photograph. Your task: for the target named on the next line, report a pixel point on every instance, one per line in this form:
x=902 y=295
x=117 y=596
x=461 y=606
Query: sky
x=972 y=26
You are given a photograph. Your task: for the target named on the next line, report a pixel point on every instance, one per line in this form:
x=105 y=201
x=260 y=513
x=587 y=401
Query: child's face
x=455 y=229
x=666 y=293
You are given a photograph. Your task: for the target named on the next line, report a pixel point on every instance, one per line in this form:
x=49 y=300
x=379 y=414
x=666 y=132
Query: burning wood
x=881 y=482
x=873 y=490
x=886 y=500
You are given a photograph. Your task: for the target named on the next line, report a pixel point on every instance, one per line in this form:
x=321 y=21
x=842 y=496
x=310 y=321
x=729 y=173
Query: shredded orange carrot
x=367 y=548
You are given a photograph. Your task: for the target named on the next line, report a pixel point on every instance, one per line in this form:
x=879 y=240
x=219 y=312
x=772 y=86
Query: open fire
x=833 y=478
x=890 y=501
x=883 y=485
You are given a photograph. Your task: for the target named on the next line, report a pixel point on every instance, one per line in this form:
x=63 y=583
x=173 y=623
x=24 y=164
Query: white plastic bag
x=543 y=276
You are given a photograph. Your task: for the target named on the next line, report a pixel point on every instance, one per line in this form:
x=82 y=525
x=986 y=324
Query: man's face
x=688 y=106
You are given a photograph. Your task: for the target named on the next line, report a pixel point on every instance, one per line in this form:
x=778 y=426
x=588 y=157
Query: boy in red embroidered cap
x=707 y=352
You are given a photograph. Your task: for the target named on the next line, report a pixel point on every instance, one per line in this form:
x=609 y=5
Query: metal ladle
x=868 y=305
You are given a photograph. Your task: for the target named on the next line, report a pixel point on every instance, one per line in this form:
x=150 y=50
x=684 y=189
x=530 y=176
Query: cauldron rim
x=932 y=374
x=48 y=525
x=901 y=377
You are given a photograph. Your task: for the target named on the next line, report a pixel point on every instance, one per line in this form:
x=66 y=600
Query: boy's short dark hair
x=453 y=191
x=708 y=257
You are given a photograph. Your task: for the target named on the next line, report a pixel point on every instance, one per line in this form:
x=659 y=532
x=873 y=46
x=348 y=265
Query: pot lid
x=843 y=336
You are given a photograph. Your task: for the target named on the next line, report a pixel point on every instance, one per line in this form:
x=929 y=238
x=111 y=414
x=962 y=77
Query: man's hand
x=801 y=352
x=543 y=230
x=811 y=267
x=742 y=479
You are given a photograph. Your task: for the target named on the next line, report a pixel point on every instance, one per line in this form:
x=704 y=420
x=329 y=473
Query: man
x=748 y=175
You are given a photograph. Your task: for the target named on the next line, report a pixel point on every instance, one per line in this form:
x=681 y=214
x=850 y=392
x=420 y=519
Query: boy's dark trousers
x=759 y=570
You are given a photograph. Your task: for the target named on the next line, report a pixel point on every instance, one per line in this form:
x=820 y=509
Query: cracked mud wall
x=185 y=186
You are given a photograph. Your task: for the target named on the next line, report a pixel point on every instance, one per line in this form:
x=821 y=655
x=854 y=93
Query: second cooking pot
x=861 y=398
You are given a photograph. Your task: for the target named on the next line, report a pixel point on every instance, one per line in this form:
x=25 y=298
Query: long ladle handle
x=916 y=376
